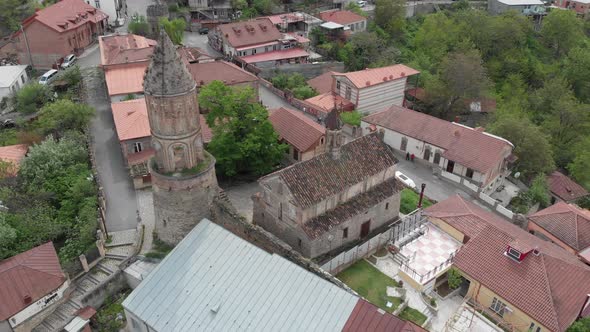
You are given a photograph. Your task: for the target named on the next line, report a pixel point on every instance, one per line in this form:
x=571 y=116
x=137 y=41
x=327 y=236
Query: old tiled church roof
x=167 y=74
x=316 y=179
x=325 y=222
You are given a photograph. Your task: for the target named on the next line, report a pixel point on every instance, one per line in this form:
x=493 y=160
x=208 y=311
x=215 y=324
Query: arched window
x=179 y=155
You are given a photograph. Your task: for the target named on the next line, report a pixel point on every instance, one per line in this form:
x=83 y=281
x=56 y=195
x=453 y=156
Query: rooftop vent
x=27 y=299
x=390 y=77
x=368 y=83
x=384 y=78
x=536 y=251
x=402 y=74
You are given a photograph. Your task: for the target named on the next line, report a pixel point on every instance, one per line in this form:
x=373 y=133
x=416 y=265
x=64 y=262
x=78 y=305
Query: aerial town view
x=295 y=165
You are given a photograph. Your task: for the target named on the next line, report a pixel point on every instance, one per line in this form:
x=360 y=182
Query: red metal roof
x=125 y=79
x=126 y=48
x=567 y=222
x=367 y=317
x=33 y=273
x=205 y=73
x=466 y=146
x=275 y=55
x=564 y=187
x=373 y=76
x=550 y=287
x=67 y=14
x=251 y=32
x=322 y=83
x=286 y=18
x=343 y=17
x=327 y=101
x=296 y=128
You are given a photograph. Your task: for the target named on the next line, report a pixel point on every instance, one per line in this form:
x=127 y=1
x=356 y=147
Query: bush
x=433 y=301
x=582 y=325
x=72 y=76
x=352 y=118
x=139 y=26
x=455 y=278
x=304 y=92
x=294 y=83
x=32 y=97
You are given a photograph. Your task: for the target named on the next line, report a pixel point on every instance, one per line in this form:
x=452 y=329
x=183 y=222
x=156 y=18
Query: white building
x=12 y=78
x=116 y=9
x=525 y=7
x=466 y=155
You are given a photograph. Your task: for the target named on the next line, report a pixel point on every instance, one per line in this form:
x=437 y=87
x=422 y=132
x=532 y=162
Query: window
x=322 y=140
x=22 y=78
x=338 y=86
x=404 y=144
x=134 y=323
x=498 y=307
x=137 y=147
x=97 y=3
x=386 y=206
x=532 y=328
x=345 y=233
x=469 y=173
x=280 y=211
x=513 y=253
x=266 y=49
x=295 y=154
x=299 y=242
x=253 y=51
x=348 y=93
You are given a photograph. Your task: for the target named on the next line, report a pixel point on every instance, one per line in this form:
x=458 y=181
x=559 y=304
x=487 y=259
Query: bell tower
x=183 y=173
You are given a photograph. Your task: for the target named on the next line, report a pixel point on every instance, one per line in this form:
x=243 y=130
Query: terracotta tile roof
x=373 y=76
x=275 y=55
x=125 y=48
x=343 y=17
x=131 y=120
x=368 y=317
x=322 y=83
x=125 y=79
x=564 y=187
x=251 y=32
x=67 y=15
x=314 y=180
x=288 y=17
x=194 y=54
x=296 y=128
x=567 y=222
x=13 y=154
x=550 y=287
x=466 y=146
x=321 y=224
x=327 y=101
x=205 y=73
x=33 y=273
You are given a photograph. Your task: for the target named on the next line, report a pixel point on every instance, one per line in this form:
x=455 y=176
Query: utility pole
x=22 y=29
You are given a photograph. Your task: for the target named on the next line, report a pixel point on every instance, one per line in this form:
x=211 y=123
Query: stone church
x=183 y=173
x=334 y=199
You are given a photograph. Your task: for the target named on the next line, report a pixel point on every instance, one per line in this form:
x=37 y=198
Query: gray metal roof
x=216 y=281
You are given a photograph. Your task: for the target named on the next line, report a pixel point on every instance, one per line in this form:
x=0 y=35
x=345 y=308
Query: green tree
x=352 y=118
x=355 y=8
x=7 y=238
x=581 y=325
x=32 y=97
x=12 y=12
x=454 y=278
x=436 y=37
x=139 y=25
x=390 y=15
x=244 y=141
x=63 y=115
x=577 y=72
x=304 y=92
x=539 y=191
x=562 y=31
x=262 y=7
x=174 y=29
x=7 y=169
x=72 y=76
x=365 y=49
x=239 y=4
x=581 y=163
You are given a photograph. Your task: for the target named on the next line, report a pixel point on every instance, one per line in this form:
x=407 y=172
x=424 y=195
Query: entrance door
x=427 y=154
x=436 y=158
x=365 y=228
x=450 y=166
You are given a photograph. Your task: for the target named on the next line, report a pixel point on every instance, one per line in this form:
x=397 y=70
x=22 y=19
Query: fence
x=401 y=228
x=301 y=105
x=426 y=277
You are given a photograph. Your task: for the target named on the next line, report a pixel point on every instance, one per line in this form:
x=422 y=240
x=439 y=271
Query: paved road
x=118 y=187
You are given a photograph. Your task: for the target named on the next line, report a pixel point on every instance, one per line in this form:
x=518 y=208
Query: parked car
x=406 y=180
x=361 y=3
x=48 y=77
x=68 y=61
x=203 y=31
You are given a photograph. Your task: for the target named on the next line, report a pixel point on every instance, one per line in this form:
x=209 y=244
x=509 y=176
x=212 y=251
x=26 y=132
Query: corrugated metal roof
x=216 y=281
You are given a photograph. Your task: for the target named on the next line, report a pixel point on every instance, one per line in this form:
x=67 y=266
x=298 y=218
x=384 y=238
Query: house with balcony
x=351 y=21
x=470 y=156
x=51 y=33
x=368 y=91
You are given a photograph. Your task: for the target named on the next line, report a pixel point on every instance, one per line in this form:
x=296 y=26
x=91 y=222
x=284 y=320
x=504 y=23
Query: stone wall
x=309 y=70
x=111 y=286
x=181 y=202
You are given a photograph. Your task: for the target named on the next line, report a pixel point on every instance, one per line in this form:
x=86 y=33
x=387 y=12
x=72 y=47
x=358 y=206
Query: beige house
x=306 y=138
x=331 y=200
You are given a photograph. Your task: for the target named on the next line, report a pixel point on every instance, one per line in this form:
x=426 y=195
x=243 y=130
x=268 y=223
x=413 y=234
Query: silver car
x=68 y=61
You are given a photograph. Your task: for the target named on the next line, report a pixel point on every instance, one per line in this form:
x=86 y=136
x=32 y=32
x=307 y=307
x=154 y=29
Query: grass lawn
x=370 y=283
x=413 y=315
x=409 y=201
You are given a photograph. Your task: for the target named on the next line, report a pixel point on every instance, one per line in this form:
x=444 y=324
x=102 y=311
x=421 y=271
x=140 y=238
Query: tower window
x=386 y=206
x=299 y=242
x=345 y=233
x=137 y=147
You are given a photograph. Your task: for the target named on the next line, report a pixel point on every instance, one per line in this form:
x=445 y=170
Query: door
x=427 y=154
x=436 y=158
x=450 y=166
x=365 y=229
x=404 y=144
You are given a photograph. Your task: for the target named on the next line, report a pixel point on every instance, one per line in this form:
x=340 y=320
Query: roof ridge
x=550 y=293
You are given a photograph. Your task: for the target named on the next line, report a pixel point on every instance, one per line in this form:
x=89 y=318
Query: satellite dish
x=516 y=175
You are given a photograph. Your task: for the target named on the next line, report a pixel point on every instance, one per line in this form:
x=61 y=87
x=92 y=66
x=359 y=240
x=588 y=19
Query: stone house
x=452 y=149
x=63 y=28
x=306 y=138
x=334 y=199
x=564 y=189
x=352 y=22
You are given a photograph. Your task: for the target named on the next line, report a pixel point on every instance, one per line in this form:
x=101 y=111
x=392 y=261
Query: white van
x=48 y=77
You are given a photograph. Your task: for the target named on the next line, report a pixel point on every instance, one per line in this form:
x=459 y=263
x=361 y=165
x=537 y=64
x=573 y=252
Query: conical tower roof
x=167 y=74
x=332 y=120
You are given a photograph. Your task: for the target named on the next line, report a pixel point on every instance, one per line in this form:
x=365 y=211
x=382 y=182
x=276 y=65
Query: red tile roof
x=322 y=83
x=205 y=73
x=194 y=54
x=33 y=273
x=296 y=128
x=286 y=17
x=567 y=222
x=13 y=154
x=126 y=48
x=131 y=120
x=275 y=55
x=67 y=15
x=466 y=146
x=550 y=287
x=314 y=180
x=251 y=32
x=564 y=187
x=373 y=76
x=367 y=317
x=327 y=101
x=343 y=17
x=125 y=79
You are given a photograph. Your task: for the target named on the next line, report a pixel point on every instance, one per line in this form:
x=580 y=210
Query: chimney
x=27 y=299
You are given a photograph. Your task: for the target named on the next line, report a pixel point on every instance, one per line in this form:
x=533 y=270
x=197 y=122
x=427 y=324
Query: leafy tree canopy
x=174 y=29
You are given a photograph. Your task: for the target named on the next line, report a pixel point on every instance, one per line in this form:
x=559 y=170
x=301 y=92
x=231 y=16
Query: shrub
x=304 y=92
x=139 y=26
x=455 y=278
x=352 y=118
x=32 y=97
x=72 y=76
x=433 y=301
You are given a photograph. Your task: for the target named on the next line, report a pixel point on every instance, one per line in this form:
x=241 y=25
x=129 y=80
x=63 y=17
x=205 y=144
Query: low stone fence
x=299 y=104
x=308 y=70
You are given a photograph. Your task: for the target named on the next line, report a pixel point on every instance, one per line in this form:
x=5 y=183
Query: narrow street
x=114 y=177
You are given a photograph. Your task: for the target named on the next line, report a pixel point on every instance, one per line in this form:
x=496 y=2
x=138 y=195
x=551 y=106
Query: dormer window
x=514 y=254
